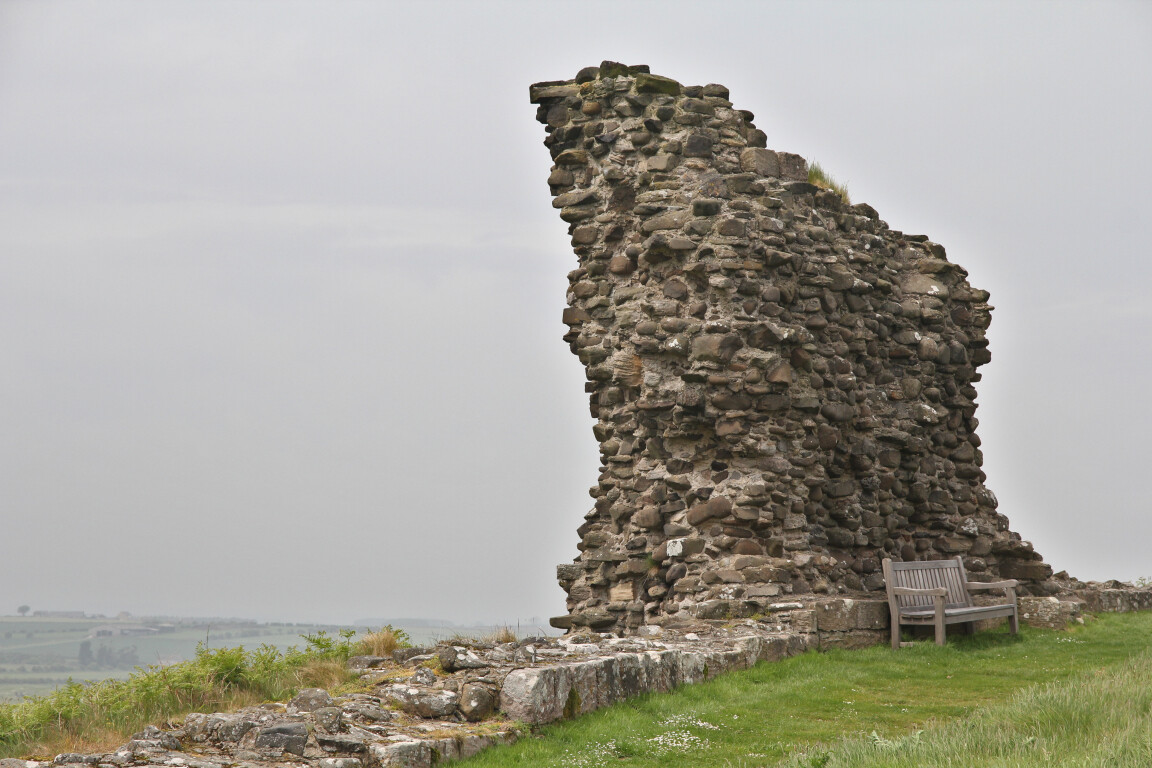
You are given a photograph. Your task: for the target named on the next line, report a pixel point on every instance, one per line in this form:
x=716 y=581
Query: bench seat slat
x=960 y=611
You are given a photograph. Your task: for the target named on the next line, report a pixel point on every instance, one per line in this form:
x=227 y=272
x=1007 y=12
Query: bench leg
x=1014 y=623
x=939 y=621
x=895 y=633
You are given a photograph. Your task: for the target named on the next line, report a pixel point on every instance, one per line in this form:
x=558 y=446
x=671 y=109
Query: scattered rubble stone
x=453 y=658
x=477 y=701
x=424 y=675
x=308 y=700
x=328 y=718
x=284 y=736
x=423 y=702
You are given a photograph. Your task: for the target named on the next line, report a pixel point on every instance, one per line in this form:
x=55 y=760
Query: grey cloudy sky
x=281 y=284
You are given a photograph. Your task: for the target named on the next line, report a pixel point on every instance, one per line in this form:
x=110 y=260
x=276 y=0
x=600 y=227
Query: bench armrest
x=937 y=592
x=973 y=586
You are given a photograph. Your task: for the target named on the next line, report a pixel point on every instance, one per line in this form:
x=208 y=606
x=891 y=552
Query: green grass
x=821 y=178
x=822 y=708
x=1094 y=719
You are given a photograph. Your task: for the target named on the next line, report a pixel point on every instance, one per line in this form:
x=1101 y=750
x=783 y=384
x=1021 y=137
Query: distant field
x=38 y=655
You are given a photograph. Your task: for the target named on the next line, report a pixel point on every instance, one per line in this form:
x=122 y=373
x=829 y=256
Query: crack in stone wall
x=783 y=385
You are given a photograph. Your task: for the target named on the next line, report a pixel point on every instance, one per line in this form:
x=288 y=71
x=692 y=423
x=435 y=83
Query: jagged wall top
x=782 y=383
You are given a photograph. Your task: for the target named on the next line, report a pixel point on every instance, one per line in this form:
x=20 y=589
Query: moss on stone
x=572 y=704
x=657 y=84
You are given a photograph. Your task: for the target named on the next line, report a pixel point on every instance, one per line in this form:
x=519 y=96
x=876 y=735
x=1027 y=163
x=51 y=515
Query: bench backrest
x=928 y=574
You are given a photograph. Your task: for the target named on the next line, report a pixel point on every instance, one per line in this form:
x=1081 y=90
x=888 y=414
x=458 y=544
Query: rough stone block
x=284 y=737
x=646 y=83
x=845 y=614
x=793 y=166
x=1025 y=571
x=762 y=162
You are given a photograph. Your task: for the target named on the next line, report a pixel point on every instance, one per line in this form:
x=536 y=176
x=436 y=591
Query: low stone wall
x=1049 y=612
x=1120 y=599
x=551 y=693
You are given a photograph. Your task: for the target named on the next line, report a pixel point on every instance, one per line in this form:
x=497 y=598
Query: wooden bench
x=938 y=592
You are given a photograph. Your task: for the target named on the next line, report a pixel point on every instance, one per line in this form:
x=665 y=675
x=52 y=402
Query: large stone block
x=536 y=695
x=1049 y=612
x=845 y=614
x=1025 y=571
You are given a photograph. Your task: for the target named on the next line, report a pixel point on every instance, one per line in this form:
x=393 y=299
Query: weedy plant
x=497 y=636
x=821 y=178
x=502 y=635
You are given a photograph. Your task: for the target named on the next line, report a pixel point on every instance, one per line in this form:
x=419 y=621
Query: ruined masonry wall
x=783 y=385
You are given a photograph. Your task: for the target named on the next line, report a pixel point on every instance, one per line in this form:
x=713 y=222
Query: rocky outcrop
x=783 y=384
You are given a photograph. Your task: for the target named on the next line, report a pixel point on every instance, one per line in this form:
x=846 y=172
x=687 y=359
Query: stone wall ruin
x=783 y=385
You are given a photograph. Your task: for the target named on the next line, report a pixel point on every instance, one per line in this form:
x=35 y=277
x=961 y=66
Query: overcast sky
x=281 y=283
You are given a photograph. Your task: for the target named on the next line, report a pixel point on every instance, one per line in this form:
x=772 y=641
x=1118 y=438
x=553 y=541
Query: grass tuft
x=502 y=635
x=498 y=636
x=383 y=641
x=821 y=178
x=329 y=674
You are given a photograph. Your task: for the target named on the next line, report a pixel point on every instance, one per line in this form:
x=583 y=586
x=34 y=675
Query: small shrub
x=821 y=178
x=326 y=646
x=222 y=666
